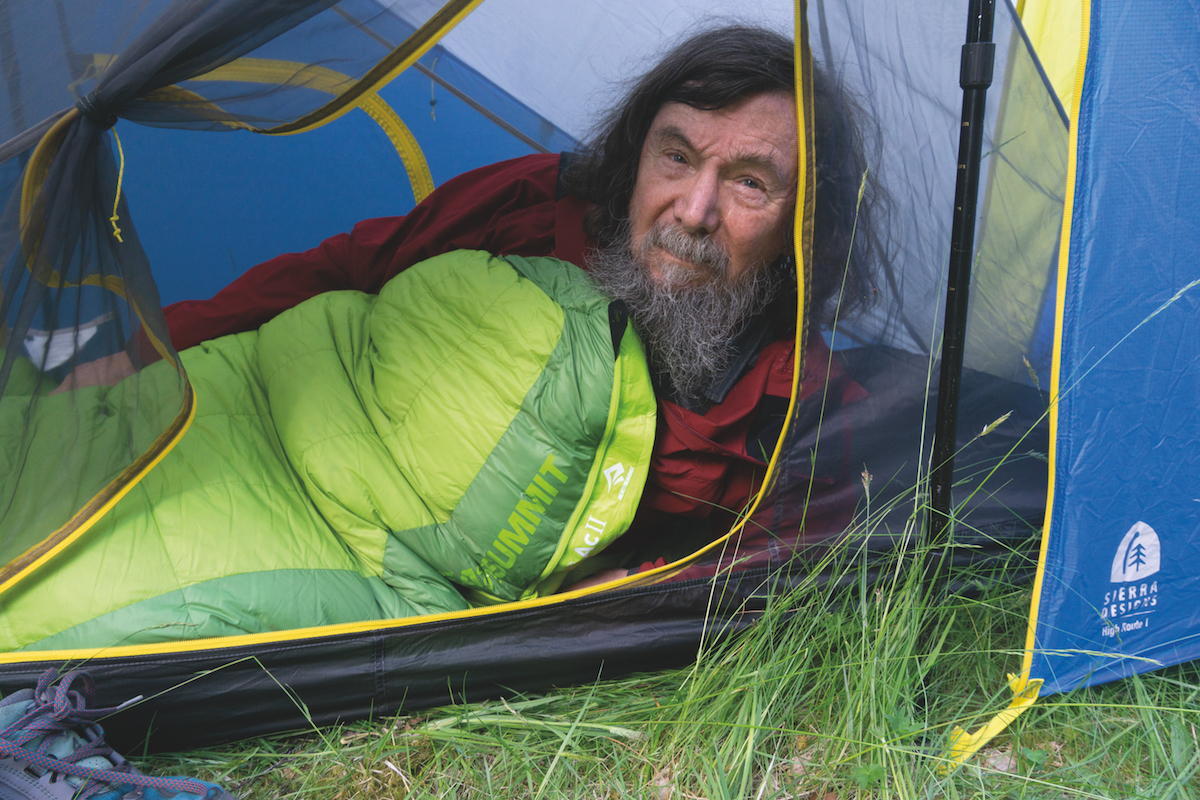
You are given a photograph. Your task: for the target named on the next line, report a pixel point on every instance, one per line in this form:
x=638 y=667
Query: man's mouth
x=676 y=257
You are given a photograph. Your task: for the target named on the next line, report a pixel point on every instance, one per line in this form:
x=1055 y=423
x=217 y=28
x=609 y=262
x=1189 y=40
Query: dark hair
x=715 y=69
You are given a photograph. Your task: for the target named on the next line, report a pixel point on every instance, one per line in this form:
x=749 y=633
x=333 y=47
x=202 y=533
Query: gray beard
x=688 y=330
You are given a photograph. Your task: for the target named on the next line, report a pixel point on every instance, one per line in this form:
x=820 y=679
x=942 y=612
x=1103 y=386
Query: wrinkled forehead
x=757 y=132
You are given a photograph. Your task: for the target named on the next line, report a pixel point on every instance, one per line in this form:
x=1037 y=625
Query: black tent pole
x=978 y=55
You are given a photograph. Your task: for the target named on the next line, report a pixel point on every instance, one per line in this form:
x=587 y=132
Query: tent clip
x=88 y=108
x=975 y=71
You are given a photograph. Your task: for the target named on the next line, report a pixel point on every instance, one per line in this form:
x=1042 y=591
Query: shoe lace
x=57 y=709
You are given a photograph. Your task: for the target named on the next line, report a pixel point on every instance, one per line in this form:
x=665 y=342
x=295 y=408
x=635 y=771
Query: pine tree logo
x=1137 y=556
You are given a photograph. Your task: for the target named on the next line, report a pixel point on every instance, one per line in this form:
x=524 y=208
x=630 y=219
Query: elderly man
x=682 y=206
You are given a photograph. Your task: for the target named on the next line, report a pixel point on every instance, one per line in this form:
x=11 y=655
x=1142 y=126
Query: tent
x=470 y=97
x=1114 y=595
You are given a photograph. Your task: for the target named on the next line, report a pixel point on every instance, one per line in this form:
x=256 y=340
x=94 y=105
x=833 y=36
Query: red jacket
x=700 y=462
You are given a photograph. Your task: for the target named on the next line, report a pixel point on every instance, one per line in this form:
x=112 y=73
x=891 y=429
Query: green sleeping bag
x=467 y=436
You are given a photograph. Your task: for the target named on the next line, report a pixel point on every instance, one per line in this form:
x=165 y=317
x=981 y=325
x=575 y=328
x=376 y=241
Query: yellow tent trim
x=289 y=73
x=35 y=176
x=37 y=556
x=963 y=745
x=802 y=236
x=224 y=643
x=83 y=519
x=404 y=142
x=309 y=76
x=1056 y=364
x=400 y=59
x=39 y=164
x=1050 y=27
x=802 y=231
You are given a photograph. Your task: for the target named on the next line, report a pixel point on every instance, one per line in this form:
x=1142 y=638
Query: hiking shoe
x=52 y=749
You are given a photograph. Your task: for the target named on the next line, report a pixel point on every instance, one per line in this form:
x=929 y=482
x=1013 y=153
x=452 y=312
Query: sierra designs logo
x=1133 y=597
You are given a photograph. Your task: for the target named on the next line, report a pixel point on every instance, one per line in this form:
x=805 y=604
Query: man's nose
x=698 y=207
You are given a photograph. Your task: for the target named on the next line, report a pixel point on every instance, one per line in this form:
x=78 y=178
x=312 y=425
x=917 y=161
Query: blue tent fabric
x=351 y=172
x=1120 y=586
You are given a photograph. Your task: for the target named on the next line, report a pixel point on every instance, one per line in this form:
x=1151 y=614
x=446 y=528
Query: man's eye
x=677 y=158
x=750 y=183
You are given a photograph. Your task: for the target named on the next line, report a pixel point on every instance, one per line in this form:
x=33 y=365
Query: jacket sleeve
x=505 y=209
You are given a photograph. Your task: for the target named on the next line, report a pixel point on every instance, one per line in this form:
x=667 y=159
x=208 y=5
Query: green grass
x=848 y=693
x=827 y=697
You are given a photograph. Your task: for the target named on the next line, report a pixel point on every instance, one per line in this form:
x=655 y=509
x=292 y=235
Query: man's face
x=726 y=178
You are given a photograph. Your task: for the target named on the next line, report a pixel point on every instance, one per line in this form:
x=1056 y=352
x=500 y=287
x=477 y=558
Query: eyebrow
x=672 y=133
